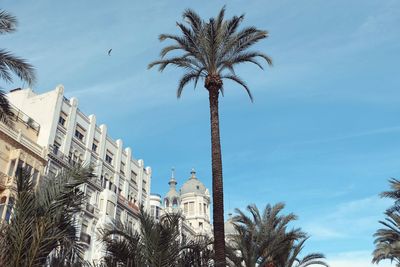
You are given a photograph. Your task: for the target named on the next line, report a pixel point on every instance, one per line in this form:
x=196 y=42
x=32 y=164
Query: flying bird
x=109 y=52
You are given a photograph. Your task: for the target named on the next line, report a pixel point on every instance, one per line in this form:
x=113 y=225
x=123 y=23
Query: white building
x=122 y=183
x=193 y=202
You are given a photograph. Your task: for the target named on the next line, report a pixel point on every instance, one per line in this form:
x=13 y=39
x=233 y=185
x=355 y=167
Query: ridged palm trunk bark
x=213 y=85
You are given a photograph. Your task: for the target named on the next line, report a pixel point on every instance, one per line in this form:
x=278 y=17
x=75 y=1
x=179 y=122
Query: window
x=200 y=225
x=200 y=208
x=175 y=203
x=19 y=167
x=122 y=169
x=185 y=208
x=121 y=185
x=110 y=208
x=191 y=207
x=205 y=208
x=118 y=215
x=133 y=177
x=131 y=193
x=28 y=168
x=9 y=209
x=157 y=212
x=62 y=119
x=79 y=132
x=11 y=169
x=95 y=145
x=56 y=147
x=2 y=205
x=89 y=194
x=109 y=157
x=35 y=177
x=84 y=226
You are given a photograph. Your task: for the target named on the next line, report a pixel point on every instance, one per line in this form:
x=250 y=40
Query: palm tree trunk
x=217 y=183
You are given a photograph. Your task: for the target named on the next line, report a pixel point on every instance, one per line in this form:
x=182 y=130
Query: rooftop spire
x=172 y=182
x=193 y=174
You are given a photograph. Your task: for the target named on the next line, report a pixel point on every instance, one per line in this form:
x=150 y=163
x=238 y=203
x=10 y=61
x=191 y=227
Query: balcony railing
x=128 y=204
x=85 y=238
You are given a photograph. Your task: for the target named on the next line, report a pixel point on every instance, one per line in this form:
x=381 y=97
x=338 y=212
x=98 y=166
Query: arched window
x=175 y=203
x=166 y=202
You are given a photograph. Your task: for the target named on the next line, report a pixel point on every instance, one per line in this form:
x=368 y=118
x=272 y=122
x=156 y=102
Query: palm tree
x=264 y=239
x=210 y=51
x=153 y=243
x=387 y=239
x=291 y=257
x=10 y=64
x=42 y=228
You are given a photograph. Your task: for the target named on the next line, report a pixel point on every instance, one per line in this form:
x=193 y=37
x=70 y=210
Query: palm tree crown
x=211 y=50
x=263 y=239
x=10 y=64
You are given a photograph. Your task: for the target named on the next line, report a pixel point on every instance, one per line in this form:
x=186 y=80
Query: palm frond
x=238 y=80
x=8 y=22
x=11 y=64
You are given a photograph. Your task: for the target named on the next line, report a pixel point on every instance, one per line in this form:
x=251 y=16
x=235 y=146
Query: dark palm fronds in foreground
x=42 y=227
x=387 y=239
x=10 y=64
x=263 y=239
x=154 y=243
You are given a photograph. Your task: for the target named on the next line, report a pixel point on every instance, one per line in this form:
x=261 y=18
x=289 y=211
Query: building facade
x=192 y=201
x=122 y=183
x=18 y=149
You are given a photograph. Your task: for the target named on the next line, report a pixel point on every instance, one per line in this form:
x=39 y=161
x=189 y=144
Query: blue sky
x=322 y=135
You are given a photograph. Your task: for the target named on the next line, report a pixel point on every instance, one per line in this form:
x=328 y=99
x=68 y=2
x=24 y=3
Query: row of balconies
x=130 y=205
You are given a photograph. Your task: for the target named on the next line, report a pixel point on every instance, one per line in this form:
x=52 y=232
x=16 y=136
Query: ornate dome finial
x=172 y=182
x=173 y=172
x=193 y=173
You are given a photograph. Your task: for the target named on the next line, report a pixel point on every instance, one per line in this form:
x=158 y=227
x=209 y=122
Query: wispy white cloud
x=350 y=219
x=354 y=259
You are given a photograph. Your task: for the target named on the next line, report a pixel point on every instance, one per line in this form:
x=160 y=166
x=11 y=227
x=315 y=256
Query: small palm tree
x=42 y=228
x=210 y=51
x=291 y=257
x=387 y=239
x=264 y=240
x=10 y=64
x=153 y=243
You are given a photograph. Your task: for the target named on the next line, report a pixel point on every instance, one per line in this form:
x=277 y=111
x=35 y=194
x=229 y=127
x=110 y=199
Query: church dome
x=229 y=228
x=193 y=185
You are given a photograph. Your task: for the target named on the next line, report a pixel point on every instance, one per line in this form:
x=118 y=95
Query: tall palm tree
x=42 y=228
x=10 y=64
x=153 y=243
x=210 y=51
x=263 y=239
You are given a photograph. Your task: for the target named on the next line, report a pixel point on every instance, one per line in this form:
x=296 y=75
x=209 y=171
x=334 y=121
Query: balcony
x=91 y=210
x=85 y=238
x=57 y=155
x=131 y=206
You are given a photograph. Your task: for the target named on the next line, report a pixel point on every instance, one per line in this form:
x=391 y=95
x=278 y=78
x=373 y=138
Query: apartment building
x=18 y=148
x=122 y=183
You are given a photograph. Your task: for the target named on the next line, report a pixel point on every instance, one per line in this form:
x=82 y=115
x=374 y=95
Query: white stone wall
x=120 y=185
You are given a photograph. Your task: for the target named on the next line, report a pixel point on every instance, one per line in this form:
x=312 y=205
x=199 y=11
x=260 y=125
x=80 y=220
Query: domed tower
x=195 y=202
x=172 y=198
